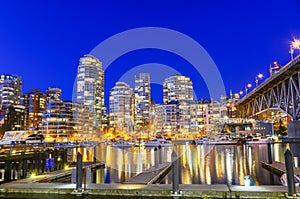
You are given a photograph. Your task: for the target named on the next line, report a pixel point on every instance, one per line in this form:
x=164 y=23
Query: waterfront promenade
x=151 y=191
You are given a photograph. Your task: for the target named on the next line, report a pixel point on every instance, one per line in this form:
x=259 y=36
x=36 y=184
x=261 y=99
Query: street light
x=248 y=87
x=294 y=45
x=259 y=76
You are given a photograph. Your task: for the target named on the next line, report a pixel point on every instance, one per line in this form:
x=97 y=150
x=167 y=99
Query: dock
x=151 y=175
x=278 y=168
x=55 y=175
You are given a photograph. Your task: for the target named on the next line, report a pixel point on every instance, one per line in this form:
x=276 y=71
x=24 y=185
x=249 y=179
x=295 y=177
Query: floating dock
x=278 y=168
x=151 y=175
x=51 y=176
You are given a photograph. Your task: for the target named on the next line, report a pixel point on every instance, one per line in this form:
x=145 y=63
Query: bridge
x=280 y=92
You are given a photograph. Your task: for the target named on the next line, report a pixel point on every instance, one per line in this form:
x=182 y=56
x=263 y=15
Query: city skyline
x=241 y=39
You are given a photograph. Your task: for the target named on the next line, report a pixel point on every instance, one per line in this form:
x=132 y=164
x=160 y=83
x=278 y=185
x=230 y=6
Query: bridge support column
x=293 y=128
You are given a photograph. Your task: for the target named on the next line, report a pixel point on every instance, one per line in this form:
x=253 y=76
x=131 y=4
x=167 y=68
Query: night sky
x=43 y=40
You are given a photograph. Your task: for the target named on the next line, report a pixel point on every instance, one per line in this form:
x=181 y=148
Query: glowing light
x=260 y=75
x=249 y=85
x=32 y=175
x=296 y=44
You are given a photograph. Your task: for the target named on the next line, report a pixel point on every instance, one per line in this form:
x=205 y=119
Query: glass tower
x=90 y=87
x=143 y=95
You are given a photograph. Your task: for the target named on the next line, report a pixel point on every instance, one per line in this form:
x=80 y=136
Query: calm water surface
x=199 y=164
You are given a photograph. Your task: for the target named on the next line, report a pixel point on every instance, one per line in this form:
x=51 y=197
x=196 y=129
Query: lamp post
x=259 y=76
x=248 y=87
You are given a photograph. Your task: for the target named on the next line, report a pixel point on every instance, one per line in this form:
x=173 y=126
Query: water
x=200 y=164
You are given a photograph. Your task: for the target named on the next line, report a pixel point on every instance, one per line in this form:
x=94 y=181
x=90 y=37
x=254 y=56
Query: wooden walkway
x=278 y=168
x=151 y=175
x=48 y=177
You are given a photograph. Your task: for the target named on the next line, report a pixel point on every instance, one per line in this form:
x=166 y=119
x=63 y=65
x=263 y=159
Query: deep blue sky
x=43 y=40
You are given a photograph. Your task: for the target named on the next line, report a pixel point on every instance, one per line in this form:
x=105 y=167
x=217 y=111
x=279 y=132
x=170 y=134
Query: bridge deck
x=278 y=168
x=151 y=175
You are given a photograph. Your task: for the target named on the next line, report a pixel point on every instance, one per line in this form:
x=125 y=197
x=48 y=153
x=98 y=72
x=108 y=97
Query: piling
x=289 y=164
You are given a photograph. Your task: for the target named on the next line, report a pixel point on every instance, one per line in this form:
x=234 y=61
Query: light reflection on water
x=200 y=164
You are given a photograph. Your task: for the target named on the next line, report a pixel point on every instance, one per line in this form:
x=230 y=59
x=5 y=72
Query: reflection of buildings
x=120 y=106
x=90 y=87
x=143 y=98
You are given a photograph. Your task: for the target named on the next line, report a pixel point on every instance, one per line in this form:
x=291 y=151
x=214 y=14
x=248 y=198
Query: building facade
x=143 y=98
x=35 y=105
x=14 y=118
x=176 y=88
x=90 y=87
x=10 y=91
x=120 y=101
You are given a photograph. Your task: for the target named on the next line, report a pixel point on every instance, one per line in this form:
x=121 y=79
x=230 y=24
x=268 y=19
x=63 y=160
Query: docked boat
x=158 y=142
x=122 y=144
x=260 y=140
x=201 y=141
x=216 y=141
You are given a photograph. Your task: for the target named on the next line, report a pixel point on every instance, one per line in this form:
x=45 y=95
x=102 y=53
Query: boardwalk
x=151 y=175
x=278 y=168
x=48 y=177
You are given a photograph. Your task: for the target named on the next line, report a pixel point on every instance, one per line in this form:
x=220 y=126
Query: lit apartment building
x=14 y=118
x=143 y=98
x=90 y=87
x=176 y=88
x=10 y=91
x=120 y=101
x=184 y=117
x=35 y=105
x=53 y=94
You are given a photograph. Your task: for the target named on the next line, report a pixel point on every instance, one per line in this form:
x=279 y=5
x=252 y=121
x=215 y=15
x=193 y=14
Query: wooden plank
x=278 y=168
x=151 y=175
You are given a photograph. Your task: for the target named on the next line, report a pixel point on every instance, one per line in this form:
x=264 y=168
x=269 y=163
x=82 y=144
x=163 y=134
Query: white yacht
x=216 y=141
x=158 y=142
x=260 y=140
x=122 y=144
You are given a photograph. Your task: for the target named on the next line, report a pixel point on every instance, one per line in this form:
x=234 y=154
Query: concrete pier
x=153 y=190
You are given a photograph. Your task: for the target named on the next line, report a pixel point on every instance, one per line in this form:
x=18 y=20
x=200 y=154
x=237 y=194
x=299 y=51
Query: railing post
x=159 y=155
x=156 y=158
x=175 y=174
x=79 y=173
x=269 y=153
x=289 y=165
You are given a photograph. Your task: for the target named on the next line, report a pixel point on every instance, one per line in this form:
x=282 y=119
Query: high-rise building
x=120 y=101
x=53 y=94
x=35 y=105
x=14 y=118
x=10 y=91
x=90 y=87
x=143 y=98
x=176 y=88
